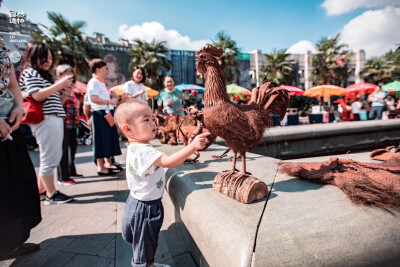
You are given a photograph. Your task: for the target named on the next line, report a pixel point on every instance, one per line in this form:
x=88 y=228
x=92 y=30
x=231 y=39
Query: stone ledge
x=223 y=229
x=325 y=139
x=303 y=223
x=310 y=131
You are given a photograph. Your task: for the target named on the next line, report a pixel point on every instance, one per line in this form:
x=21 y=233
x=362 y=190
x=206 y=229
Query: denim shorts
x=141 y=224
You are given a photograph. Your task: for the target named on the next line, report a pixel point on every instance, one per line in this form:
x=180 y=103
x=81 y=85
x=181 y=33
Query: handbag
x=34 y=111
x=109 y=118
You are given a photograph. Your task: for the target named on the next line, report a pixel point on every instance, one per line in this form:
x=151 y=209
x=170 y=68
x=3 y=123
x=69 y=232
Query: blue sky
x=252 y=24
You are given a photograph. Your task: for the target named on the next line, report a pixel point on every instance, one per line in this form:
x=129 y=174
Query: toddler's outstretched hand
x=200 y=141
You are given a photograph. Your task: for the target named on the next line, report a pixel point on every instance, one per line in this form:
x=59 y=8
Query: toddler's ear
x=125 y=127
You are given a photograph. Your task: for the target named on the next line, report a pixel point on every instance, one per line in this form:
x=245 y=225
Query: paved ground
x=86 y=232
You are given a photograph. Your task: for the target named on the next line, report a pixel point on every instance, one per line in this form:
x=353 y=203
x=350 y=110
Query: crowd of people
x=56 y=137
x=377 y=105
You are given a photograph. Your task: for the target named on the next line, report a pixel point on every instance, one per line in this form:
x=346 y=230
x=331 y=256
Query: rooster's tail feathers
x=275 y=99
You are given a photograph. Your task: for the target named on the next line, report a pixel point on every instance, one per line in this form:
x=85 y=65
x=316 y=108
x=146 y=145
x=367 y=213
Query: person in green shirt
x=170 y=100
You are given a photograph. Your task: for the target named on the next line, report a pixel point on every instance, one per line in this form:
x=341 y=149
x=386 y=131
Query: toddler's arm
x=179 y=157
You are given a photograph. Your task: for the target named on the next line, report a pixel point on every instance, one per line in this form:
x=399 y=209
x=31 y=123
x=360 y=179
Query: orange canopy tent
x=118 y=89
x=324 y=91
x=151 y=93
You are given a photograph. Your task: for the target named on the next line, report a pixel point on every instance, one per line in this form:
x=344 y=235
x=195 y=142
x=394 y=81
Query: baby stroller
x=84 y=135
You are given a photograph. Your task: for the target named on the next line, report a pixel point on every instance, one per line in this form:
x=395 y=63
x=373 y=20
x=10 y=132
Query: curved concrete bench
x=301 y=224
x=326 y=139
x=223 y=229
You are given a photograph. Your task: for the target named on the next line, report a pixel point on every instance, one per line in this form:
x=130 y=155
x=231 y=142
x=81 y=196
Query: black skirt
x=19 y=195
x=106 y=139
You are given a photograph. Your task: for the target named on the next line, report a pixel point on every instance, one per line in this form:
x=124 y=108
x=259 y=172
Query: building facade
x=115 y=55
x=16 y=34
x=303 y=68
x=24 y=27
x=183 y=66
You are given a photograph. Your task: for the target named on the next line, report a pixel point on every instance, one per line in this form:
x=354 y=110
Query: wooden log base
x=240 y=187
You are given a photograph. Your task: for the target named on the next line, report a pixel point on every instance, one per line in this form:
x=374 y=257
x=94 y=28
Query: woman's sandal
x=113 y=169
x=116 y=164
x=110 y=172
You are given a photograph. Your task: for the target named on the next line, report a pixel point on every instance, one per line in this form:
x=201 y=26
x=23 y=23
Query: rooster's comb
x=217 y=52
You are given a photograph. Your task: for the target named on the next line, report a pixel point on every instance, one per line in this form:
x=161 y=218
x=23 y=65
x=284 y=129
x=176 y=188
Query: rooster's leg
x=222 y=155
x=234 y=162
x=193 y=160
x=244 y=164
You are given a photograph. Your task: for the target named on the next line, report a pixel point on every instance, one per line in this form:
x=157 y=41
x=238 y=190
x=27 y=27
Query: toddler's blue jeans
x=141 y=224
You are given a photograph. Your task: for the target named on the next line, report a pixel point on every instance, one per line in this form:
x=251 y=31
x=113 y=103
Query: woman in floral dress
x=170 y=101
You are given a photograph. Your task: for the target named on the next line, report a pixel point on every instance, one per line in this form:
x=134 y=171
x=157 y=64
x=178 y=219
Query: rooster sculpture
x=242 y=126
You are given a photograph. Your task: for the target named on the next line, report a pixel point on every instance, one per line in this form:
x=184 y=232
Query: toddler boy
x=144 y=213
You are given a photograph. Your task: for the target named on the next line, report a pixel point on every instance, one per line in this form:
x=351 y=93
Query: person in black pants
x=19 y=196
x=67 y=170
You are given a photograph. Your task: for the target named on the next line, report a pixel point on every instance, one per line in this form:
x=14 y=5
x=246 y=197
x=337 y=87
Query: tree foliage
x=277 y=69
x=66 y=40
x=304 y=104
x=330 y=63
x=227 y=60
x=384 y=69
x=152 y=57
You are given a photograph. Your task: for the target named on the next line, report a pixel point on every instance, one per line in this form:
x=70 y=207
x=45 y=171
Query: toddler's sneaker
x=67 y=182
x=57 y=198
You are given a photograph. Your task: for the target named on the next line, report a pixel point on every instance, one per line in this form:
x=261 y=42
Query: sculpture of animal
x=166 y=128
x=242 y=126
x=187 y=131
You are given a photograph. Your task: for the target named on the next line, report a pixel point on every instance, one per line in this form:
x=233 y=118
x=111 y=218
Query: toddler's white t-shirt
x=145 y=181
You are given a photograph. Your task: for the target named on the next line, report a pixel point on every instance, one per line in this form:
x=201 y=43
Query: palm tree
x=392 y=59
x=375 y=70
x=277 y=69
x=382 y=69
x=227 y=60
x=330 y=62
x=65 y=39
x=151 y=56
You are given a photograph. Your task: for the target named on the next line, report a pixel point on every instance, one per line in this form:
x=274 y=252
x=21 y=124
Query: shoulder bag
x=34 y=111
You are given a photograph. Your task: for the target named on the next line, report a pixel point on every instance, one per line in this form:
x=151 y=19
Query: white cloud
x=4 y=10
x=374 y=31
x=155 y=30
x=337 y=7
x=302 y=47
